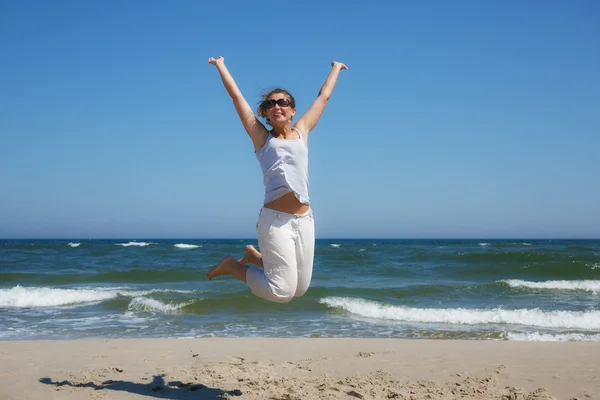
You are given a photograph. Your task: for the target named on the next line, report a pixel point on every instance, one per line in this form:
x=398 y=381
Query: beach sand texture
x=285 y=369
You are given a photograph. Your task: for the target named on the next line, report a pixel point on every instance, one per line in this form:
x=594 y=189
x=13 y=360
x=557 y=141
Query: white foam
x=129 y=292
x=151 y=305
x=48 y=297
x=186 y=246
x=336 y=245
x=529 y=317
x=586 y=285
x=483 y=244
x=548 y=337
x=19 y=296
x=139 y=244
x=594 y=266
x=74 y=244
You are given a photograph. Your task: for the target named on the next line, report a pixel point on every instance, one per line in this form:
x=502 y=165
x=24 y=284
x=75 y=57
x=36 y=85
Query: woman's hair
x=262 y=106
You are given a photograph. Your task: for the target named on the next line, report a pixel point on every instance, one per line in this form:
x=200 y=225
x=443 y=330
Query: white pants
x=287 y=244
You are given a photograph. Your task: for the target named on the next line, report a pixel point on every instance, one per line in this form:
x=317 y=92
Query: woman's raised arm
x=311 y=117
x=256 y=130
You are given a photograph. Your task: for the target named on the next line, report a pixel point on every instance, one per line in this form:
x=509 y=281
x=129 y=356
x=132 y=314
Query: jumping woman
x=285 y=228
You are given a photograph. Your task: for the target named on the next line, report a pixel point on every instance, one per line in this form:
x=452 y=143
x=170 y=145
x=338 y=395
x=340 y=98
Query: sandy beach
x=282 y=369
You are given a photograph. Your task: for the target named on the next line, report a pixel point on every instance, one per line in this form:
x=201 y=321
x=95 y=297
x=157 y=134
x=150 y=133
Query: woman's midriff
x=288 y=203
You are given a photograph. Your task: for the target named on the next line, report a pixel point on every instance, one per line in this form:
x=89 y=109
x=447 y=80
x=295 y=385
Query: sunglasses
x=281 y=103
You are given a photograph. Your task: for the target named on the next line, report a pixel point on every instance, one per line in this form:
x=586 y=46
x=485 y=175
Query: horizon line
x=320 y=238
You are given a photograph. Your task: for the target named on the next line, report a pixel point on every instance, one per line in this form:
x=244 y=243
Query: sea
x=517 y=290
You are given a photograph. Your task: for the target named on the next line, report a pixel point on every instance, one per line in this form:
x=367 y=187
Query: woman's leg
x=252 y=256
x=228 y=266
x=305 y=251
x=279 y=279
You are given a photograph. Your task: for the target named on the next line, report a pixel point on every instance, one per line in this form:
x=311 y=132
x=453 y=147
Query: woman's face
x=280 y=110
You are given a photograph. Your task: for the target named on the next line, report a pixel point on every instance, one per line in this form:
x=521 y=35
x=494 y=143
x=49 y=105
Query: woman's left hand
x=339 y=65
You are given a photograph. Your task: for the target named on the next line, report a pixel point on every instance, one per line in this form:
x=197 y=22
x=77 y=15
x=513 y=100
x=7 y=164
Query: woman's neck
x=284 y=131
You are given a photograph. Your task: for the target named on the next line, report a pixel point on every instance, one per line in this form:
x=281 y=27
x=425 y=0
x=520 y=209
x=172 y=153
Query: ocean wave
x=29 y=297
x=130 y=292
x=139 y=244
x=498 y=266
x=581 y=248
x=504 y=244
x=550 y=337
x=74 y=244
x=336 y=245
x=529 y=317
x=48 y=297
x=585 y=285
x=186 y=246
x=146 y=304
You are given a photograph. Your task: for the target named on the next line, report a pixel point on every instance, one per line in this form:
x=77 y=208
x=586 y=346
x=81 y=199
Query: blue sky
x=464 y=119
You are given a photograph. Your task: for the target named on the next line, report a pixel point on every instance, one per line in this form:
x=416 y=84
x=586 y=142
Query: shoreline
x=298 y=368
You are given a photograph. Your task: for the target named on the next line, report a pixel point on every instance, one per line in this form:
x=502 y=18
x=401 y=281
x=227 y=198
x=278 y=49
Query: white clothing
x=287 y=244
x=284 y=163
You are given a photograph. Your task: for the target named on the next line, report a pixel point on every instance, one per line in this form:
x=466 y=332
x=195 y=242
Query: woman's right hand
x=339 y=65
x=216 y=61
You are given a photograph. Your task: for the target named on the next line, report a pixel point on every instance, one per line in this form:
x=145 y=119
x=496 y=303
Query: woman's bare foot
x=228 y=266
x=252 y=256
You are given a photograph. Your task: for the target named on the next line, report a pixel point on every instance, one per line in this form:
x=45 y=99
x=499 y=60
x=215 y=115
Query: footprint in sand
x=365 y=354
